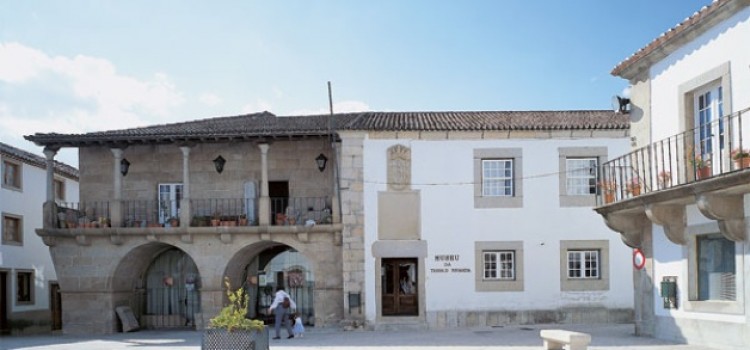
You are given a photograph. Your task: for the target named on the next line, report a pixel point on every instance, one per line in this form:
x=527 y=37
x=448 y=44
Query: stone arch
x=299 y=276
x=129 y=284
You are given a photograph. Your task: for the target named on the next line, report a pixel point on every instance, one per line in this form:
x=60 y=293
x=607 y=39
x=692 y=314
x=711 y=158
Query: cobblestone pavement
x=504 y=338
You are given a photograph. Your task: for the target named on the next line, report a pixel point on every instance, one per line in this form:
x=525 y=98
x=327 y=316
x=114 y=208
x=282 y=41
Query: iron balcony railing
x=717 y=147
x=203 y=212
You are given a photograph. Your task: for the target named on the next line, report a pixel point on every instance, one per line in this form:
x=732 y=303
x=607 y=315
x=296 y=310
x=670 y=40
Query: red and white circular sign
x=639 y=260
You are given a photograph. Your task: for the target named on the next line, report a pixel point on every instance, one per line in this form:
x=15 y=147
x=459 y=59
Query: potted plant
x=608 y=190
x=243 y=220
x=231 y=329
x=702 y=167
x=216 y=219
x=633 y=187
x=741 y=158
x=174 y=221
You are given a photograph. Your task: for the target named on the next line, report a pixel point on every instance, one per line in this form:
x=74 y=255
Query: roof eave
x=631 y=68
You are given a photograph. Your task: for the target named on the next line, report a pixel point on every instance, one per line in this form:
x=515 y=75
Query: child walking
x=299 y=328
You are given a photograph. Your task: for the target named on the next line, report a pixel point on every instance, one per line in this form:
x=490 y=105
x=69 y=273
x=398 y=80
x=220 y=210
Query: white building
x=482 y=228
x=690 y=119
x=29 y=298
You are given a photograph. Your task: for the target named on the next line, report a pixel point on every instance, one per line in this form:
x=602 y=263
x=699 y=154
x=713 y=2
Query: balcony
x=213 y=212
x=711 y=151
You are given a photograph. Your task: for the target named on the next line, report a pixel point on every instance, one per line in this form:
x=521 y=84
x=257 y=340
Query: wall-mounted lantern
x=321 y=161
x=124 y=166
x=219 y=164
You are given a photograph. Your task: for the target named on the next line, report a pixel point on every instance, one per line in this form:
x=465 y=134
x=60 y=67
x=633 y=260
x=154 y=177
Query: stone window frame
x=30 y=274
x=584 y=284
x=498 y=285
x=690 y=302
x=515 y=201
x=566 y=200
x=5 y=241
x=19 y=176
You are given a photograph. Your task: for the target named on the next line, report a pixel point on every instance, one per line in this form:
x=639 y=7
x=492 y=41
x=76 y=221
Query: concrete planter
x=221 y=339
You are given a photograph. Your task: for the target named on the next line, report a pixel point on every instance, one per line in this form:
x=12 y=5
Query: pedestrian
x=281 y=308
x=299 y=328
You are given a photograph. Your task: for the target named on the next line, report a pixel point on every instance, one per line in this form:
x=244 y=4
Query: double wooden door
x=399 y=287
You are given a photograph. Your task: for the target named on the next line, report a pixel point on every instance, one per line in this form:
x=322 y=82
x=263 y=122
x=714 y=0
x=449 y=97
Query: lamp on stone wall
x=219 y=164
x=124 y=166
x=321 y=160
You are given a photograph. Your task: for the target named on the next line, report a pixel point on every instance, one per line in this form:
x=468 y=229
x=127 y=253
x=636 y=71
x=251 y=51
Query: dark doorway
x=4 y=329
x=399 y=287
x=56 y=306
x=278 y=191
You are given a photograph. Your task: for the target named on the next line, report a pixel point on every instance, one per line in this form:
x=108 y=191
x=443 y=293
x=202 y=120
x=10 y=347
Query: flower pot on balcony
x=742 y=163
x=702 y=172
x=609 y=197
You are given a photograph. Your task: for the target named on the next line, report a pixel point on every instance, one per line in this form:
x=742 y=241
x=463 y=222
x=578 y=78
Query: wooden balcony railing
x=715 y=148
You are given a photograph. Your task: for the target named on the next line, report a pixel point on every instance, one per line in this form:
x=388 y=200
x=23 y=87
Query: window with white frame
x=497 y=177
x=583 y=264
x=12 y=230
x=581 y=176
x=716 y=268
x=170 y=196
x=499 y=265
x=11 y=175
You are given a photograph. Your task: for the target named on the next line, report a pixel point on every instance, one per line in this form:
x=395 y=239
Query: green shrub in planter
x=231 y=329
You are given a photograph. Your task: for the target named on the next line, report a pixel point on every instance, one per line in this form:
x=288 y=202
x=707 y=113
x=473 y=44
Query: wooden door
x=56 y=306
x=399 y=291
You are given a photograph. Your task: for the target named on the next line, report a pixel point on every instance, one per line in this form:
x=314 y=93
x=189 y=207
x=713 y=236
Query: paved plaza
x=506 y=338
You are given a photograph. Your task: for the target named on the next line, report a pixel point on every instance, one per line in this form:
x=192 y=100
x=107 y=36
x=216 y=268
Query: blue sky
x=80 y=66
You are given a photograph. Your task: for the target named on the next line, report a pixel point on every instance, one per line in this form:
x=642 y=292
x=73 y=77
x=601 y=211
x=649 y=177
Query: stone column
x=49 y=207
x=185 y=207
x=116 y=205
x=335 y=201
x=264 y=202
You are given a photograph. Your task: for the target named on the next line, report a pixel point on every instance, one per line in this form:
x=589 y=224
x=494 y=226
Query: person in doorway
x=281 y=308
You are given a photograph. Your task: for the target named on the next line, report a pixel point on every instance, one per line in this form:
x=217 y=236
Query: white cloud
x=210 y=99
x=338 y=107
x=44 y=93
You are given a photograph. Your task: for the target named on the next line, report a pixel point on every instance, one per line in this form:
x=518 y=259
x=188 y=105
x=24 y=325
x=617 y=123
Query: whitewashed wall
x=33 y=254
x=443 y=172
x=727 y=41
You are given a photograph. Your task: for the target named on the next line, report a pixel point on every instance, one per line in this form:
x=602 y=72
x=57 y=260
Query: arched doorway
x=264 y=267
x=170 y=290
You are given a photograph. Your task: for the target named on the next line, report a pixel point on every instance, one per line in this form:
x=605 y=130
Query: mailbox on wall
x=669 y=292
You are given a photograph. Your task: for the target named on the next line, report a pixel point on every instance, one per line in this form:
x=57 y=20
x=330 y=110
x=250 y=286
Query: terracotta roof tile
x=267 y=125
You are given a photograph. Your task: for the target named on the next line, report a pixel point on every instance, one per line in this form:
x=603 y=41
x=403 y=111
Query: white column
x=116 y=205
x=49 y=206
x=185 y=208
x=264 y=203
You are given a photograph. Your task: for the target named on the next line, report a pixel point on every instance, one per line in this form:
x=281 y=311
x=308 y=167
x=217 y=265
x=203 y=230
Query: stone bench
x=562 y=339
